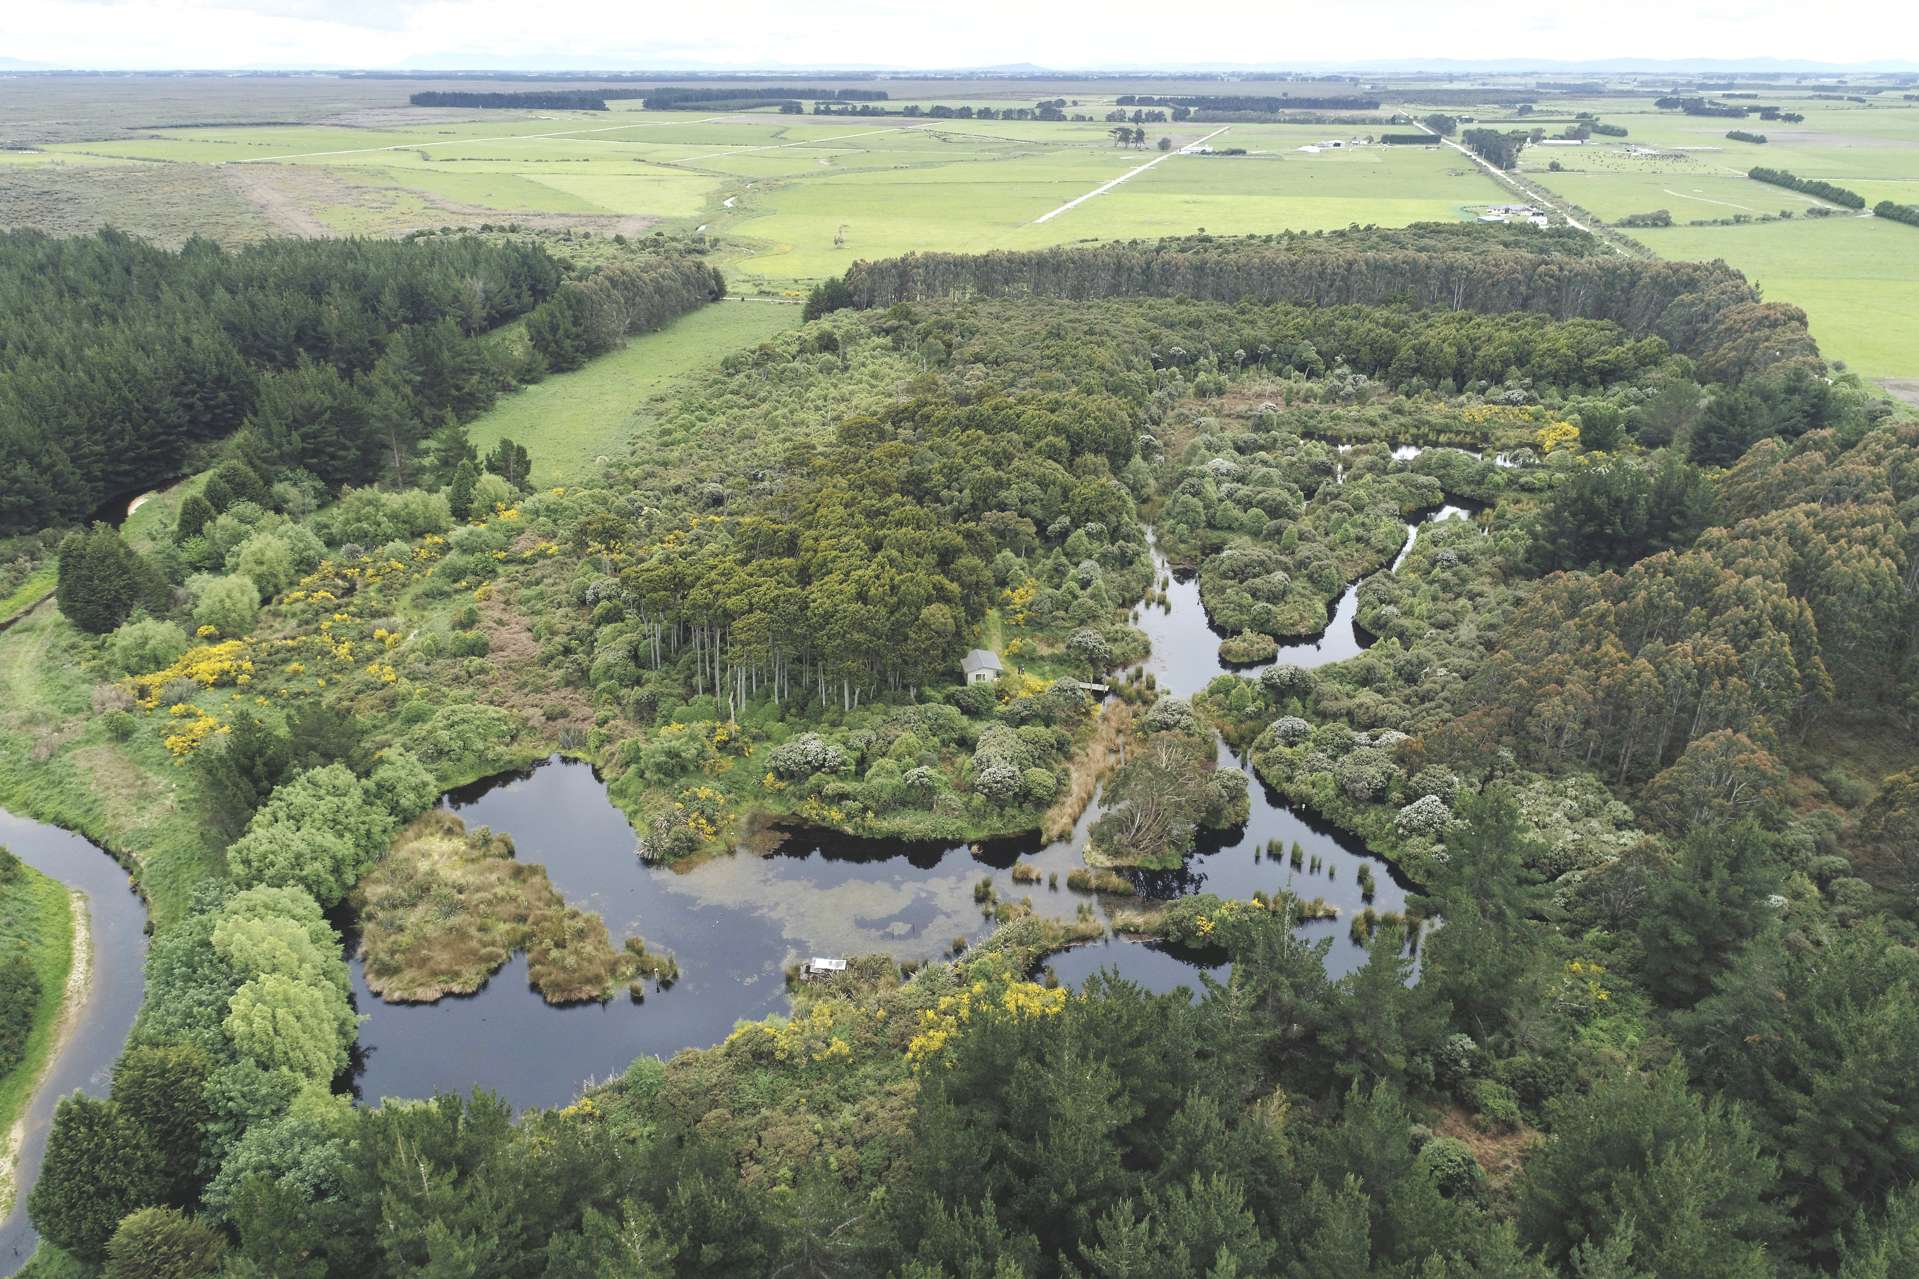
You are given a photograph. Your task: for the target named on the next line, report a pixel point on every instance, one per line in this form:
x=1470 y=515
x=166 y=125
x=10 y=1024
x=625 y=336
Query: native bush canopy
x=1634 y=727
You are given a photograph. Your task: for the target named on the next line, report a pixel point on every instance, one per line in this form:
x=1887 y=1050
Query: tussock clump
x=448 y=906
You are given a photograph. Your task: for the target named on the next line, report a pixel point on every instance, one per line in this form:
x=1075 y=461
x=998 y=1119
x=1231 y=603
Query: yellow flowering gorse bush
x=993 y=995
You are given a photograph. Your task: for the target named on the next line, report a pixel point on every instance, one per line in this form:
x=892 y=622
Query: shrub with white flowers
x=1170 y=715
x=1427 y=815
x=805 y=755
x=1291 y=730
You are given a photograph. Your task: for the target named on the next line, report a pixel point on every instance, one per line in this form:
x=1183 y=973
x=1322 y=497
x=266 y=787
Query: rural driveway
x=1103 y=188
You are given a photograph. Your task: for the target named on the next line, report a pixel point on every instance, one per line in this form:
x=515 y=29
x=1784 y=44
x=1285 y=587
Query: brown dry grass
x=448 y=906
x=1501 y=1154
x=165 y=203
x=527 y=685
x=291 y=198
x=132 y=797
x=1093 y=763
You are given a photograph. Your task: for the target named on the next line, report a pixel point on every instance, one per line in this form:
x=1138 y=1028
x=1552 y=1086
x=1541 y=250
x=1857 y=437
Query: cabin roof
x=980 y=659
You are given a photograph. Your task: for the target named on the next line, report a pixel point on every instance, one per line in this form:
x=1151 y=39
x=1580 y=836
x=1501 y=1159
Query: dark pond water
x=1148 y=963
x=736 y=922
x=99 y=1027
x=1185 y=656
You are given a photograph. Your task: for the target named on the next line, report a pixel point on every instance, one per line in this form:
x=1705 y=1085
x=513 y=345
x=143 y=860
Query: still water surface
x=736 y=922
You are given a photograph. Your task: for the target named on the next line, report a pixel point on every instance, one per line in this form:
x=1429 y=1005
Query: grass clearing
x=36 y=914
x=1857 y=278
x=60 y=763
x=29 y=593
x=151 y=524
x=574 y=421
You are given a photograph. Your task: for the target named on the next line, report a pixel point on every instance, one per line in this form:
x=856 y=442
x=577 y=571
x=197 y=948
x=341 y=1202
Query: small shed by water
x=820 y=966
x=981 y=666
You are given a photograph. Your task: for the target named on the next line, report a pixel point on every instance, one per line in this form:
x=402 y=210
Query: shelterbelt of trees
x=1704 y=310
x=339 y=355
x=525 y=99
x=1640 y=732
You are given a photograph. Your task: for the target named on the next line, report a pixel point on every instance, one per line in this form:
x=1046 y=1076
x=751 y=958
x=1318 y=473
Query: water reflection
x=1151 y=965
x=735 y=922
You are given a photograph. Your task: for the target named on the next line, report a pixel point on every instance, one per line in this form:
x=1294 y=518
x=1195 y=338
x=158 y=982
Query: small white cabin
x=981 y=666
x=820 y=966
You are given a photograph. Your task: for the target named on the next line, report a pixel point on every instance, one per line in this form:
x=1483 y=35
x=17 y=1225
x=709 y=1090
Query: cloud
x=369 y=15
x=1065 y=33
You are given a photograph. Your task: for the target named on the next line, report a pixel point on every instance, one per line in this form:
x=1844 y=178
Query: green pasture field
x=572 y=422
x=896 y=184
x=1857 y=278
x=776 y=191
x=35 y=913
x=1898 y=190
x=970 y=207
x=1614 y=185
x=1834 y=142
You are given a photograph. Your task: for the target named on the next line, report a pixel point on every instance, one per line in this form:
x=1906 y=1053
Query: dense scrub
x=1909 y=214
x=1808 y=186
x=1665 y=1027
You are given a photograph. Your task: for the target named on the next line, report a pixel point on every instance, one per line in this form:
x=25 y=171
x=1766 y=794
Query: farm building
x=1516 y=213
x=981 y=666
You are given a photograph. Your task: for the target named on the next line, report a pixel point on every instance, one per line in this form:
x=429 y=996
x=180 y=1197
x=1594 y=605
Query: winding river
x=96 y=1030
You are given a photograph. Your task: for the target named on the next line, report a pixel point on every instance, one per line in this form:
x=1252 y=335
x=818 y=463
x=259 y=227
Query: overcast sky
x=1064 y=33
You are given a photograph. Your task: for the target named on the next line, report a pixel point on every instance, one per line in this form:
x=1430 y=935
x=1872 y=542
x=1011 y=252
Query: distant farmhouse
x=1528 y=213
